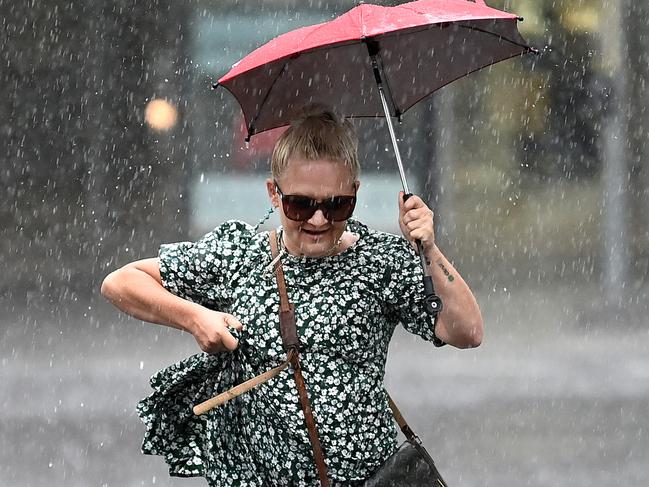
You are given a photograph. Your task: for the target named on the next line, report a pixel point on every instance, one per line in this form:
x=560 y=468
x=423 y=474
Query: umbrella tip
x=215 y=85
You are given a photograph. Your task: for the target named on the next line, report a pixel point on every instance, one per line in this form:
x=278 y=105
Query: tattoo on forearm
x=446 y=272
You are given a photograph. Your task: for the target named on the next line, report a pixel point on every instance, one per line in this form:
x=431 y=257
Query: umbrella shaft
x=406 y=190
x=402 y=174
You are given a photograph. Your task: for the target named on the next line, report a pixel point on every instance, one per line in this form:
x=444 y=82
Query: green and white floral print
x=346 y=306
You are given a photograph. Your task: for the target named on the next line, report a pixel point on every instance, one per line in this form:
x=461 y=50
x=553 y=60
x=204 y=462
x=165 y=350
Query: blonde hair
x=317 y=133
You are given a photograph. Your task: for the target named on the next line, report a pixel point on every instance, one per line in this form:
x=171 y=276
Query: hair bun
x=317 y=132
x=319 y=111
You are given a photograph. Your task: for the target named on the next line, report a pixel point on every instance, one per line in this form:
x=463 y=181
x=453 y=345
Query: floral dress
x=346 y=308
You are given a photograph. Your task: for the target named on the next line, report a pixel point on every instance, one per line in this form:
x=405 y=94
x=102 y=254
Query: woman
x=350 y=286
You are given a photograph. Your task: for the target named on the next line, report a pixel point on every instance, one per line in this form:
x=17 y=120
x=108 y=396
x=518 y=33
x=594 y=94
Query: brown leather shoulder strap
x=401 y=421
x=414 y=439
x=286 y=312
x=288 y=329
x=279 y=272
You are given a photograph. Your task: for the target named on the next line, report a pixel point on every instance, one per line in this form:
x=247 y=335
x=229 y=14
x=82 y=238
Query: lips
x=314 y=233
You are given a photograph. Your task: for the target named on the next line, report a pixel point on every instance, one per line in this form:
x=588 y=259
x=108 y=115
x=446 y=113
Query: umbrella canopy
x=422 y=46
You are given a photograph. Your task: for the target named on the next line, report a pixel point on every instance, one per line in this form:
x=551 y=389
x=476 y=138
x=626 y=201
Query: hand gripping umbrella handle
x=432 y=302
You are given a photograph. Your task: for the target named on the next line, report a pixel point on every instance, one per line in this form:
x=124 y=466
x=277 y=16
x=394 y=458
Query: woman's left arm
x=460 y=321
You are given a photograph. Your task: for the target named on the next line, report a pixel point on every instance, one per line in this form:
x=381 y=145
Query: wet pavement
x=558 y=394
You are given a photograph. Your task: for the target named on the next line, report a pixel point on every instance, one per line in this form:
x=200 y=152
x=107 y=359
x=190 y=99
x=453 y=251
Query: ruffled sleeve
x=201 y=271
x=403 y=290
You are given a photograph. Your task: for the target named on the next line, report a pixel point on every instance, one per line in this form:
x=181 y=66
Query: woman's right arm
x=137 y=290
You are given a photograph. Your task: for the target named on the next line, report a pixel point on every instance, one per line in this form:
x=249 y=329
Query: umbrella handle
x=432 y=302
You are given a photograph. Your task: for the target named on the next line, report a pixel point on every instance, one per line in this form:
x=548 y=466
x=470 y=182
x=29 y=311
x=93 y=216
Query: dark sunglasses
x=301 y=208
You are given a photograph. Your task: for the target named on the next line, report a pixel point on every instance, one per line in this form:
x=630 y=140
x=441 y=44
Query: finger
x=228 y=341
x=424 y=222
x=404 y=203
x=413 y=202
x=413 y=225
x=415 y=213
x=419 y=215
x=421 y=234
x=232 y=322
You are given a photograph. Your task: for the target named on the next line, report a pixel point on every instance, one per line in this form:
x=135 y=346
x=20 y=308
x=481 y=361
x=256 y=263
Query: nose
x=318 y=219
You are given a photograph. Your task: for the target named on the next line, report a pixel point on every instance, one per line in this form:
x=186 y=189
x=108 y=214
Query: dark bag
x=410 y=466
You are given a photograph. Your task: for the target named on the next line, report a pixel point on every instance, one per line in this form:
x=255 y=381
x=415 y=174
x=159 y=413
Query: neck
x=335 y=248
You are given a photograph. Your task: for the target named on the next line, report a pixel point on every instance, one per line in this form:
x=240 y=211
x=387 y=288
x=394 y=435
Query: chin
x=319 y=248
x=315 y=249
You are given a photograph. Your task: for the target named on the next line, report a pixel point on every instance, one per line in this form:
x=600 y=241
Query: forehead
x=317 y=178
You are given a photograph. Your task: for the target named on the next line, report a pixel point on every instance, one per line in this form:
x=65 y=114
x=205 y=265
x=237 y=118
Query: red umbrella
x=372 y=61
x=419 y=46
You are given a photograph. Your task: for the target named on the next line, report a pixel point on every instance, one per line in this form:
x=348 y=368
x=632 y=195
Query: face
x=319 y=180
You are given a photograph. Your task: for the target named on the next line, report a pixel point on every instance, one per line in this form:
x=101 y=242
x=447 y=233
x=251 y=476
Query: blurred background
x=113 y=142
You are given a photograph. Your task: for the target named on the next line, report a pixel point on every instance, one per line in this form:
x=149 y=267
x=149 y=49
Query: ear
x=357 y=184
x=272 y=193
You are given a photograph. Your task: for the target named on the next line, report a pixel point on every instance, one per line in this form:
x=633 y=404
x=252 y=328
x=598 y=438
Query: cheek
x=339 y=228
x=290 y=226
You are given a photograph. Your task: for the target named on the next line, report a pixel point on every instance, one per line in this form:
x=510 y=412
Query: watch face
x=433 y=304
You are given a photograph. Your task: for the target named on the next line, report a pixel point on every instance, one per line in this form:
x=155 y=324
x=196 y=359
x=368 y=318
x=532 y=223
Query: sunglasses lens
x=299 y=208
x=339 y=208
x=302 y=208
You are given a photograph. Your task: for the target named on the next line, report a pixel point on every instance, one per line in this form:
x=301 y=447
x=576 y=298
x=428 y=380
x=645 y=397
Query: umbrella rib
x=477 y=29
x=251 y=125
